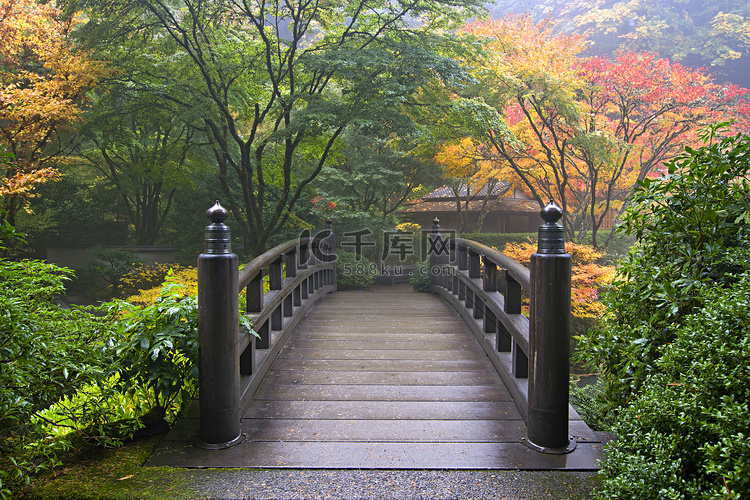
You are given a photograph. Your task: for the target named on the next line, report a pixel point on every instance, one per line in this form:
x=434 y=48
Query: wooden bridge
x=386 y=379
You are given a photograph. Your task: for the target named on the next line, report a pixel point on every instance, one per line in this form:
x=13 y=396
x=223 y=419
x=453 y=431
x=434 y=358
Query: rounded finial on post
x=217 y=214
x=436 y=224
x=551 y=233
x=218 y=238
x=329 y=224
x=551 y=213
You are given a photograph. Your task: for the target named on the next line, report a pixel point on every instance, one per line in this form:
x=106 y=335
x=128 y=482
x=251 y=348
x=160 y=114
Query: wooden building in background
x=504 y=211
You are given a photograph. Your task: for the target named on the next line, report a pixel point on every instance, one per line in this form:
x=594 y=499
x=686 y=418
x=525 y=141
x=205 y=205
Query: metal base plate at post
x=220 y=446
x=572 y=444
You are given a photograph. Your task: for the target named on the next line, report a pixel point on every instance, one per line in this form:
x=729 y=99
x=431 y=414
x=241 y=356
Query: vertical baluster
x=474 y=264
x=290 y=262
x=275 y=275
x=314 y=253
x=512 y=294
x=275 y=278
x=461 y=256
x=277 y=318
x=489 y=320
x=478 y=307
x=520 y=362
x=304 y=254
x=254 y=294
x=489 y=278
x=504 y=339
x=288 y=305
x=247 y=361
x=290 y=265
x=264 y=340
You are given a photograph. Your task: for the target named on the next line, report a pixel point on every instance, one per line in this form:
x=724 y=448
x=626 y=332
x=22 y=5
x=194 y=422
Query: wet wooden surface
x=380 y=380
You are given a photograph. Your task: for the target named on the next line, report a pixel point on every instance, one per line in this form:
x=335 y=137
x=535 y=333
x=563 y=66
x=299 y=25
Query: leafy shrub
x=159 y=350
x=675 y=350
x=499 y=240
x=93 y=374
x=46 y=353
x=685 y=435
x=143 y=284
x=686 y=223
x=112 y=264
x=588 y=401
x=158 y=353
x=420 y=281
x=354 y=271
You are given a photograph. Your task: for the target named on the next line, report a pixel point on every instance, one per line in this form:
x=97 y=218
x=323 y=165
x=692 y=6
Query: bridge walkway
x=380 y=380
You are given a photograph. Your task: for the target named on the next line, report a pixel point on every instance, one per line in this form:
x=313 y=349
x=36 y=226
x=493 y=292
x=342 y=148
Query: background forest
x=142 y=118
x=122 y=121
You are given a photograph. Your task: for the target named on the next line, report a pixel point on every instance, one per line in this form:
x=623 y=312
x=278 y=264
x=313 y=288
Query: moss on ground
x=113 y=473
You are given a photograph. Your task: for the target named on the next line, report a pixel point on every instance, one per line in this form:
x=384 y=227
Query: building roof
x=443 y=199
x=525 y=205
x=447 y=192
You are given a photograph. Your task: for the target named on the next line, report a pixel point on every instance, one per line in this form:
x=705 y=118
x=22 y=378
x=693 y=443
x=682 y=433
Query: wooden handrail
x=490 y=303
x=298 y=277
x=516 y=270
x=252 y=268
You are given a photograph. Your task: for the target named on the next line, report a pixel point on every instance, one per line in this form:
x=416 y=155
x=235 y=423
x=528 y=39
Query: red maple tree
x=583 y=131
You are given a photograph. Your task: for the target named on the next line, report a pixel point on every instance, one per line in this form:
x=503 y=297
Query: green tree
x=277 y=83
x=137 y=136
x=375 y=175
x=144 y=150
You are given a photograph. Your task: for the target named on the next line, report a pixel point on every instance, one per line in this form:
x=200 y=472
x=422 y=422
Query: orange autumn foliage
x=43 y=78
x=587 y=278
x=584 y=130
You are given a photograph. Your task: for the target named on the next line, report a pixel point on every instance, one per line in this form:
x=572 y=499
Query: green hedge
x=499 y=240
x=674 y=350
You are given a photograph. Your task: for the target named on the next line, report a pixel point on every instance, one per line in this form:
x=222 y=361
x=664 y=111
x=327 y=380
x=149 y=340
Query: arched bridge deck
x=389 y=379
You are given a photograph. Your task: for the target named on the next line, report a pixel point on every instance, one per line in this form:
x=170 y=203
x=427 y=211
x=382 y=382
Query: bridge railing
x=531 y=354
x=280 y=286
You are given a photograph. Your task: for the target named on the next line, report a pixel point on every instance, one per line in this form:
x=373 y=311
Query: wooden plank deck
x=385 y=381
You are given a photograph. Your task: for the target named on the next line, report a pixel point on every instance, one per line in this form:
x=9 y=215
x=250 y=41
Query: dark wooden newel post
x=218 y=335
x=549 y=338
x=436 y=243
x=332 y=249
